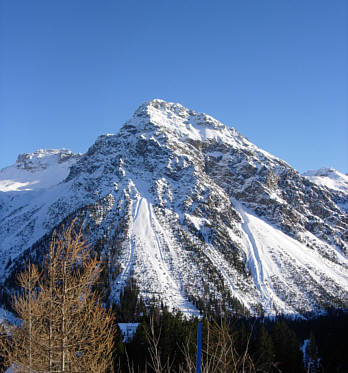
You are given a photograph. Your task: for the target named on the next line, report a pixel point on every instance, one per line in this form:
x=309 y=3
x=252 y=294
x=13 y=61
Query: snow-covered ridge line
x=174 y=120
x=328 y=177
x=41 y=169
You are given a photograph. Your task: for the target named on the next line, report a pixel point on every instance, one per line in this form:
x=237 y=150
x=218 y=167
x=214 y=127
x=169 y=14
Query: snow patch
x=128 y=330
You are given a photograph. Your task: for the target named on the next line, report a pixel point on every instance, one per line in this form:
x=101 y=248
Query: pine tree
x=264 y=350
x=287 y=349
x=64 y=328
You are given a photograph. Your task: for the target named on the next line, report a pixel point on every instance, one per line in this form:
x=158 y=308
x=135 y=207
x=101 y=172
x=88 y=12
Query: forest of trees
x=266 y=344
x=66 y=326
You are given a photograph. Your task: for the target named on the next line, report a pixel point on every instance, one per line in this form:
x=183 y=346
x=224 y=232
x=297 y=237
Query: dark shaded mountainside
x=190 y=209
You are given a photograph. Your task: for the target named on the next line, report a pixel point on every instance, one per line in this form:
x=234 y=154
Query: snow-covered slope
x=330 y=178
x=196 y=213
x=38 y=170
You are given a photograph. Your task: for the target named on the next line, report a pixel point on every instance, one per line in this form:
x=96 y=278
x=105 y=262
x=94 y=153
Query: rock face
x=196 y=214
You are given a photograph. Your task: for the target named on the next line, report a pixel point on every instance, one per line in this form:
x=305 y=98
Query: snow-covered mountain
x=41 y=169
x=193 y=211
x=330 y=178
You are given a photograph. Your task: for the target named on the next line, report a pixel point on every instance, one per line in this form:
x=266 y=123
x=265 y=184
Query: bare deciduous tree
x=153 y=340
x=219 y=354
x=64 y=327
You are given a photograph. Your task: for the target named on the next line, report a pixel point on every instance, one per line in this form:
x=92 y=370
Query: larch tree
x=64 y=326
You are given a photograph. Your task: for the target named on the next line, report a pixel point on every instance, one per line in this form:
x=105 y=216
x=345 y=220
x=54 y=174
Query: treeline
x=66 y=325
x=271 y=344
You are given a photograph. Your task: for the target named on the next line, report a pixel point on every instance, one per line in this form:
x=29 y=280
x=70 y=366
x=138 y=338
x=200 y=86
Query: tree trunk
x=63 y=317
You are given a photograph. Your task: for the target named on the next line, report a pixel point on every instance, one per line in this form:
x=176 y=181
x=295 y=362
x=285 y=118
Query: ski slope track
x=191 y=210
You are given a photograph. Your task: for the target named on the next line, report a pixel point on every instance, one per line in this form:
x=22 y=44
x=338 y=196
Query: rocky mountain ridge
x=41 y=169
x=330 y=178
x=196 y=213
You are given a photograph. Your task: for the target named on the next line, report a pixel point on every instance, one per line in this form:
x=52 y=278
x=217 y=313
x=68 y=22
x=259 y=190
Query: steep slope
x=196 y=213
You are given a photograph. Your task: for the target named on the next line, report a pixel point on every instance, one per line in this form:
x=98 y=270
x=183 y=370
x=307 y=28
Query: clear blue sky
x=276 y=70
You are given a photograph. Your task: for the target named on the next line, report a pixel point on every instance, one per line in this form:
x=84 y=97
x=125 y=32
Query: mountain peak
x=161 y=112
x=173 y=120
x=160 y=105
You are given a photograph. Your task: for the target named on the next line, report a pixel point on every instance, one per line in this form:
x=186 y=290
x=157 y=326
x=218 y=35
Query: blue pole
x=199 y=348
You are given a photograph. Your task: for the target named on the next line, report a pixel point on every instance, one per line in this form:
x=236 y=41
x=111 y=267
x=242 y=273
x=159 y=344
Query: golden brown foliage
x=64 y=327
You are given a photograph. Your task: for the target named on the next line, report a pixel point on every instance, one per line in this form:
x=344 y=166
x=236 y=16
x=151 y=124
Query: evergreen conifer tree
x=264 y=350
x=287 y=349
